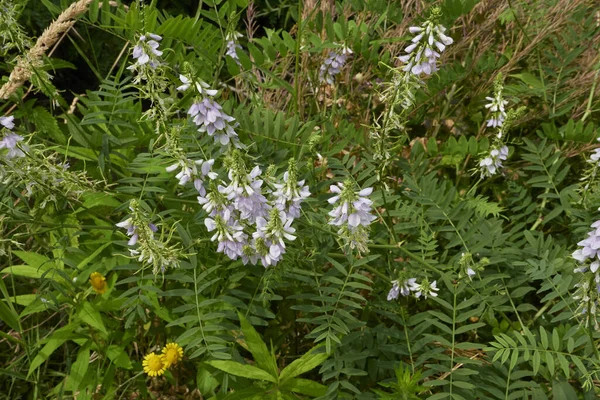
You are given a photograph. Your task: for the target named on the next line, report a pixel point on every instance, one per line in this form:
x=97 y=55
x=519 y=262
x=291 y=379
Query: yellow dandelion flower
x=172 y=353
x=154 y=364
x=98 y=282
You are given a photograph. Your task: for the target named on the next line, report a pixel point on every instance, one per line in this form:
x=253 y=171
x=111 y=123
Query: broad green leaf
x=79 y=367
x=243 y=370
x=57 y=339
x=118 y=356
x=305 y=386
x=304 y=364
x=92 y=317
x=258 y=348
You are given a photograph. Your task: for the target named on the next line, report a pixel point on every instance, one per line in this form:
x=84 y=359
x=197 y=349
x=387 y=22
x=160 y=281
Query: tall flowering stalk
x=352 y=214
x=491 y=163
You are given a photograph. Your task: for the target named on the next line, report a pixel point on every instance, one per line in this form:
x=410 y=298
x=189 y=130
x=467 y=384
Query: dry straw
x=25 y=65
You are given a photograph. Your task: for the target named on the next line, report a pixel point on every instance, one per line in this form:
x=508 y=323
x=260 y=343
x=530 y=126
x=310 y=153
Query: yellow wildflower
x=98 y=282
x=154 y=364
x=172 y=353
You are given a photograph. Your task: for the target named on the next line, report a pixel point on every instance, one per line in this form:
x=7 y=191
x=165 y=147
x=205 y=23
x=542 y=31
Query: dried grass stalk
x=26 y=64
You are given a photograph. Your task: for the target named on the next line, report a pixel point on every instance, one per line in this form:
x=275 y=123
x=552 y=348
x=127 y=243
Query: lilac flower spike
x=333 y=64
x=230 y=235
x=353 y=210
x=146 y=51
x=233 y=46
x=291 y=193
x=209 y=116
x=195 y=171
x=352 y=214
x=426 y=47
x=588 y=288
x=403 y=288
x=496 y=106
x=10 y=139
x=10 y=142
x=492 y=163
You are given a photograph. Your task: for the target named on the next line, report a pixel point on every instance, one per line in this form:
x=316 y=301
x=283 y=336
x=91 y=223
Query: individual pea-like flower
x=9 y=142
x=403 y=288
x=7 y=122
x=426 y=47
x=154 y=364
x=424 y=288
x=195 y=171
x=493 y=162
x=291 y=193
x=233 y=46
x=333 y=64
x=209 y=116
x=98 y=282
x=146 y=51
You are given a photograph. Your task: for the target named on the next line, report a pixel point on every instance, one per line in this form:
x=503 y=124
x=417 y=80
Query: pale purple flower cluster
x=353 y=210
x=588 y=289
x=352 y=214
x=333 y=64
x=233 y=46
x=410 y=286
x=245 y=193
x=194 y=171
x=421 y=56
x=268 y=237
x=290 y=194
x=10 y=139
x=590 y=250
x=497 y=110
x=132 y=230
x=492 y=163
x=146 y=51
x=208 y=115
x=247 y=225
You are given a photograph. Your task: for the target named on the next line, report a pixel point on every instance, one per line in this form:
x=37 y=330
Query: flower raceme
x=146 y=51
x=333 y=64
x=493 y=162
x=426 y=47
x=354 y=208
x=10 y=139
x=352 y=214
x=233 y=45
